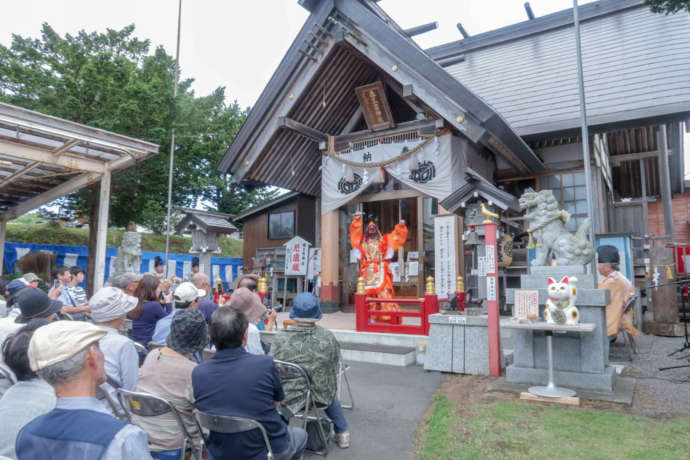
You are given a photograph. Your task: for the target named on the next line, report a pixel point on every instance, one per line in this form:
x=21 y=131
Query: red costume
x=374 y=252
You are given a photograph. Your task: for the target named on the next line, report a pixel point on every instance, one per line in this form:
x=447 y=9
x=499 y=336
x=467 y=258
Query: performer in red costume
x=374 y=251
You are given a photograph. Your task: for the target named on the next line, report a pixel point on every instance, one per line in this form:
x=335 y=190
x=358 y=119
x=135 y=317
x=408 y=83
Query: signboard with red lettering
x=296 y=256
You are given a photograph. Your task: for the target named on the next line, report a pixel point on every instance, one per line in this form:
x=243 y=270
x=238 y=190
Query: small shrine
x=205 y=227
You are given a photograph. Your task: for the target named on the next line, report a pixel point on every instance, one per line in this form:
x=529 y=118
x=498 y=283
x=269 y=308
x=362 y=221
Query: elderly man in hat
x=186 y=296
x=249 y=303
x=167 y=373
x=66 y=354
x=621 y=289
x=317 y=351
x=109 y=308
x=30 y=303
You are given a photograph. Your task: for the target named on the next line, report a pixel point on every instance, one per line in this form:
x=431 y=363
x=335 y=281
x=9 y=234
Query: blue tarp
x=224 y=267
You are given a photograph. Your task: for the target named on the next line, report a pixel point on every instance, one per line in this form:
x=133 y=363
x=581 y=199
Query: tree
x=111 y=81
x=668 y=6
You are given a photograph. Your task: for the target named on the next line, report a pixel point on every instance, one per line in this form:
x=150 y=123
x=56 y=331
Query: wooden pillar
x=330 y=244
x=665 y=183
x=3 y=235
x=102 y=232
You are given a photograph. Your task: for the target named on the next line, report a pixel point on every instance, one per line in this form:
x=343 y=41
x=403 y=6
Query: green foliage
x=111 y=81
x=518 y=430
x=46 y=233
x=668 y=6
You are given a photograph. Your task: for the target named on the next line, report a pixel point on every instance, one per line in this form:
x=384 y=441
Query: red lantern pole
x=491 y=255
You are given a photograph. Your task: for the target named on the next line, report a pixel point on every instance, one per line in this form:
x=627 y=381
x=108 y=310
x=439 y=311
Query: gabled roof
x=457 y=199
x=636 y=67
x=257 y=209
x=362 y=39
x=208 y=221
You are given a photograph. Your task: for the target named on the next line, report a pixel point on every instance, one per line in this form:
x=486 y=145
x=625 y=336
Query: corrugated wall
x=633 y=60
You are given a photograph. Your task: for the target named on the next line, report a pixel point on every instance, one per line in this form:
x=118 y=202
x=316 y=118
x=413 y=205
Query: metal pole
x=172 y=137
x=585 y=130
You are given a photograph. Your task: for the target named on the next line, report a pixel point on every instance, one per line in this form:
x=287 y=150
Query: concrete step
x=378 y=354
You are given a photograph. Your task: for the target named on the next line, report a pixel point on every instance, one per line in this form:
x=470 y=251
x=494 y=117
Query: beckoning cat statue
x=560 y=307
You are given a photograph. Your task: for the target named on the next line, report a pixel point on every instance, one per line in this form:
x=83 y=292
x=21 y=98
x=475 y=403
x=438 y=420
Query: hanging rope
x=378 y=164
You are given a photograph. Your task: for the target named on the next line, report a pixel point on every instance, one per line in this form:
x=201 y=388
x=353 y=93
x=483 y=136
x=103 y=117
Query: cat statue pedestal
x=579 y=359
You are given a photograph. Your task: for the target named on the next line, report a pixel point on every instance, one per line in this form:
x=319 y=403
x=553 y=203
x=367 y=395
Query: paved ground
x=389 y=403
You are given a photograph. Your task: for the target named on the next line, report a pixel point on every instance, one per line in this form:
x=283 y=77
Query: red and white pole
x=491 y=254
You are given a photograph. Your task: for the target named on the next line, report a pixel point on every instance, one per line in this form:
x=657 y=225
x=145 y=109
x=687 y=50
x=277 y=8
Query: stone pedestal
x=580 y=360
x=458 y=343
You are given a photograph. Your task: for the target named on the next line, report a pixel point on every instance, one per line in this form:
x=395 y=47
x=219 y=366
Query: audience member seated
x=317 y=351
x=206 y=305
x=621 y=289
x=30 y=397
x=250 y=304
x=4 y=294
x=31 y=303
x=251 y=282
x=62 y=276
x=31 y=279
x=13 y=288
x=236 y=383
x=167 y=373
x=151 y=310
x=66 y=354
x=186 y=296
x=109 y=308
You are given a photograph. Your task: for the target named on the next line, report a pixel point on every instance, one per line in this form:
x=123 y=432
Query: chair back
x=7 y=375
x=291 y=371
x=140 y=348
x=102 y=393
x=227 y=424
x=154 y=345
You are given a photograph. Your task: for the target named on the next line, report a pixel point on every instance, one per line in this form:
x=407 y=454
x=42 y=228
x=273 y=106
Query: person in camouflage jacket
x=317 y=351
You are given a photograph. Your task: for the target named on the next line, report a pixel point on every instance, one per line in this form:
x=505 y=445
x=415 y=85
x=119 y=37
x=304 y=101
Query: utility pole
x=172 y=137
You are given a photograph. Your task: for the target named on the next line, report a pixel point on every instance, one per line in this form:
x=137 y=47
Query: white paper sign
x=481 y=269
x=71 y=259
x=490 y=288
x=314 y=264
x=490 y=259
x=455 y=319
x=296 y=254
x=413 y=255
x=444 y=254
x=395 y=269
x=526 y=303
x=413 y=268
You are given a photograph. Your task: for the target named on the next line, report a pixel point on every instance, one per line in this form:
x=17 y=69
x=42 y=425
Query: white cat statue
x=560 y=308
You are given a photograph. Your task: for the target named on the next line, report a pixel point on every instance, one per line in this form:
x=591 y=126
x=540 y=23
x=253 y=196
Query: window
x=281 y=225
x=569 y=190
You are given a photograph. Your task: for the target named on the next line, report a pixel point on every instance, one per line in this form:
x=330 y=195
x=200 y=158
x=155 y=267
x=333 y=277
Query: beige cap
x=60 y=340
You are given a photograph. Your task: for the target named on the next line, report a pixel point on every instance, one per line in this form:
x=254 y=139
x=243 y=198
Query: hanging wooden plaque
x=377 y=112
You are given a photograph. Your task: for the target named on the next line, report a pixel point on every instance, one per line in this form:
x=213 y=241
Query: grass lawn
x=508 y=429
x=48 y=233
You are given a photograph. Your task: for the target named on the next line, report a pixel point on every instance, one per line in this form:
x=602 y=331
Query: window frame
x=294 y=225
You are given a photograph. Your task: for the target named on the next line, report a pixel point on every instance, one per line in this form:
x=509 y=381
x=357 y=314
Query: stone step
x=378 y=354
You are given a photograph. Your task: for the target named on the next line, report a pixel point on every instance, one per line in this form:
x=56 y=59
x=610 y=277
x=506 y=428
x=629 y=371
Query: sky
x=238 y=44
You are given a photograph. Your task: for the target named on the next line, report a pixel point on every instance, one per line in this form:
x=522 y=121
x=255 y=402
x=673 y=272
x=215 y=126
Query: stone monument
x=128 y=258
x=580 y=359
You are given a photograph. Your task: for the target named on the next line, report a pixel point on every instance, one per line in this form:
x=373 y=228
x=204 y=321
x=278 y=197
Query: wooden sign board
x=526 y=304
x=377 y=112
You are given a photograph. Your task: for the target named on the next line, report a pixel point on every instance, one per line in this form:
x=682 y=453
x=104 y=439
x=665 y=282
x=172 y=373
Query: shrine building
x=358 y=118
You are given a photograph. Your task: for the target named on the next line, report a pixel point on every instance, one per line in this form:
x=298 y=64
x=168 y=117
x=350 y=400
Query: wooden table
x=550 y=390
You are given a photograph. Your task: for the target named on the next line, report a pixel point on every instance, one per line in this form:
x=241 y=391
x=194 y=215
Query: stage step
x=378 y=354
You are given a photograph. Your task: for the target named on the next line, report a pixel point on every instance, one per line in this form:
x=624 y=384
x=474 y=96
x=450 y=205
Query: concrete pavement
x=389 y=403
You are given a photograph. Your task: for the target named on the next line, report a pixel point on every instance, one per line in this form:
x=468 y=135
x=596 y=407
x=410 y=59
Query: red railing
x=427 y=306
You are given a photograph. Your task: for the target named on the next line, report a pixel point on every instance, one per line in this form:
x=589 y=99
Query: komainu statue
x=129 y=254
x=547 y=232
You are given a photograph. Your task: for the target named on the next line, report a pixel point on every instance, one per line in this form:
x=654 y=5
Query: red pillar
x=361 y=315
x=429 y=307
x=492 y=298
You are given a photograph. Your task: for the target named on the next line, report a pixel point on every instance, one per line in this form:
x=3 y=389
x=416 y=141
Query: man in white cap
x=109 y=308
x=186 y=295
x=66 y=354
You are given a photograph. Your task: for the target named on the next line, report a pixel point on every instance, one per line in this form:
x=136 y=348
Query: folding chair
x=5 y=374
x=148 y=405
x=140 y=348
x=311 y=410
x=103 y=394
x=153 y=345
x=227 y=424
x=207 y=354
x=342 y=373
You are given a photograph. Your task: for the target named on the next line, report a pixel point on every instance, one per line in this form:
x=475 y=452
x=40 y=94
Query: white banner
x=314 y=263
x=444 y=254
x=438 y=171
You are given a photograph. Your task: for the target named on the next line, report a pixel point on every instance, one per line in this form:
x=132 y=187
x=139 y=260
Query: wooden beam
x=61 y=190
x=665 y=182
x=43 y=155
x=421 y=29
x=352 y=122
x=3 y=234
x=616 y=160
x=102 y=232
x=425 y=127
x=301 y=128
